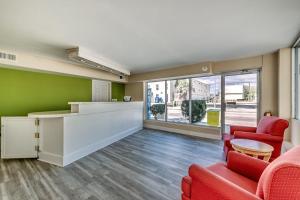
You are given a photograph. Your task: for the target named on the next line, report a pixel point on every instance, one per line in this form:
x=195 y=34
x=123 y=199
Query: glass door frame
x=258 y=93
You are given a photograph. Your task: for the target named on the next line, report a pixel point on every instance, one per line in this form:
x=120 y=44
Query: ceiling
x=145 y=35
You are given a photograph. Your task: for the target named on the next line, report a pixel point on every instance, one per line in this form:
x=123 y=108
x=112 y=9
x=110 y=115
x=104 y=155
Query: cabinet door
x=18 y=137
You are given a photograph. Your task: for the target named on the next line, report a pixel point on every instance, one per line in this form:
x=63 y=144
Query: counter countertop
x=52 y=114
x=108 y=102
x=76 y=111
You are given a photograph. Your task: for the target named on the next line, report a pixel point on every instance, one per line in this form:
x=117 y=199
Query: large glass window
x=206 y=100
x=198 y=100
x=156 y=95
x=187 y=100
x=178 y=100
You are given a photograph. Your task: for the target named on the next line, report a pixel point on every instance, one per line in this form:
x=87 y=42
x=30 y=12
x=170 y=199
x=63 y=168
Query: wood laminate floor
x=146 y=165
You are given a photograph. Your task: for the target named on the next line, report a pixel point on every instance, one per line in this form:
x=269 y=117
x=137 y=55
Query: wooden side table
x=253 y=148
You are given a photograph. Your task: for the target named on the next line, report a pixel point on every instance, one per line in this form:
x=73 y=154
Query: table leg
x=267 y=157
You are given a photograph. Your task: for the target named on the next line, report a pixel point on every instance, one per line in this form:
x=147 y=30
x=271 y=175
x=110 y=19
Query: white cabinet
x=18 y=137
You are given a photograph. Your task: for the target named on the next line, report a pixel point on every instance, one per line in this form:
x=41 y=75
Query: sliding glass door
x=240 y=99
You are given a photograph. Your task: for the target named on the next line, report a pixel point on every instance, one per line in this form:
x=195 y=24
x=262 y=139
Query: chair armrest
x=258 y=136
x=213 y=187
x=246 y=165
x=186 y=186
x=242 y=128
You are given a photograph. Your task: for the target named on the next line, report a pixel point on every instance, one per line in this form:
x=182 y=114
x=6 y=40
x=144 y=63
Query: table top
x=252 y=145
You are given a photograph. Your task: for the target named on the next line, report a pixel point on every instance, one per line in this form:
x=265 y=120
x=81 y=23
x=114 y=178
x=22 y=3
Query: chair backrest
x=272 y=125
x=281 y=179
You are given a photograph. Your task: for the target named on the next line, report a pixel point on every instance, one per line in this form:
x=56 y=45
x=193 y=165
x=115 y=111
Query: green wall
x=117 y=91
x=22 y=92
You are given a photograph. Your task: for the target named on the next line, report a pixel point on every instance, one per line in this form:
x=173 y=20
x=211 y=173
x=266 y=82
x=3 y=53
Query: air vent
x=8 y=56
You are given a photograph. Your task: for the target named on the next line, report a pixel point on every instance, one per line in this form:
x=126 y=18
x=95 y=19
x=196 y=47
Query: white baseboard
x=51 y=158
x=184 y=132
x=97 y=146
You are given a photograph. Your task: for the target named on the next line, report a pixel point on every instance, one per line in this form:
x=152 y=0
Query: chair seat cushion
x=222 y=170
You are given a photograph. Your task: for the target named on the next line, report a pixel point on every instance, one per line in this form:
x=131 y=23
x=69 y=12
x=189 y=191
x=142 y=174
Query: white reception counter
x=66 y=136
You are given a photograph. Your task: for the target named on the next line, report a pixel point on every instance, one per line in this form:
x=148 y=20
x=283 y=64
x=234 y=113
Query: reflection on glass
x=156 y=100
x=206 y=100
x=178 y=99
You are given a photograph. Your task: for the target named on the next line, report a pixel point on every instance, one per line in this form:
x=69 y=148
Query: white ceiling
x=145 y=35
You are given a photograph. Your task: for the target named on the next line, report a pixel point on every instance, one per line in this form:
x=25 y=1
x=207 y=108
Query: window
x=187 y=100
x=198 y=100
x=178 y=100
x=206 y=100
x=156 y=100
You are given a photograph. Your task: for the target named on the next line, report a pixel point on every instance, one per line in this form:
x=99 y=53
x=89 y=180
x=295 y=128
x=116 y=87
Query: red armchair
x=270 y=130
x=245 y=178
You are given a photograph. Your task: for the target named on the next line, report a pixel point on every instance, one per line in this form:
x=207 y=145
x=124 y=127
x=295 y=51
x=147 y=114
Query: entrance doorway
x=240 y=99
x=101 y=91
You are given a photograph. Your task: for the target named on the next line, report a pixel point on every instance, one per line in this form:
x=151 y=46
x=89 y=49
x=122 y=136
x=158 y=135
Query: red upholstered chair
x=245 y=178
x=270 y=130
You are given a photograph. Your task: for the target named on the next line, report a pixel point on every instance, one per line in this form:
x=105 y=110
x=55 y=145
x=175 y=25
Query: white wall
x=285 y=87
